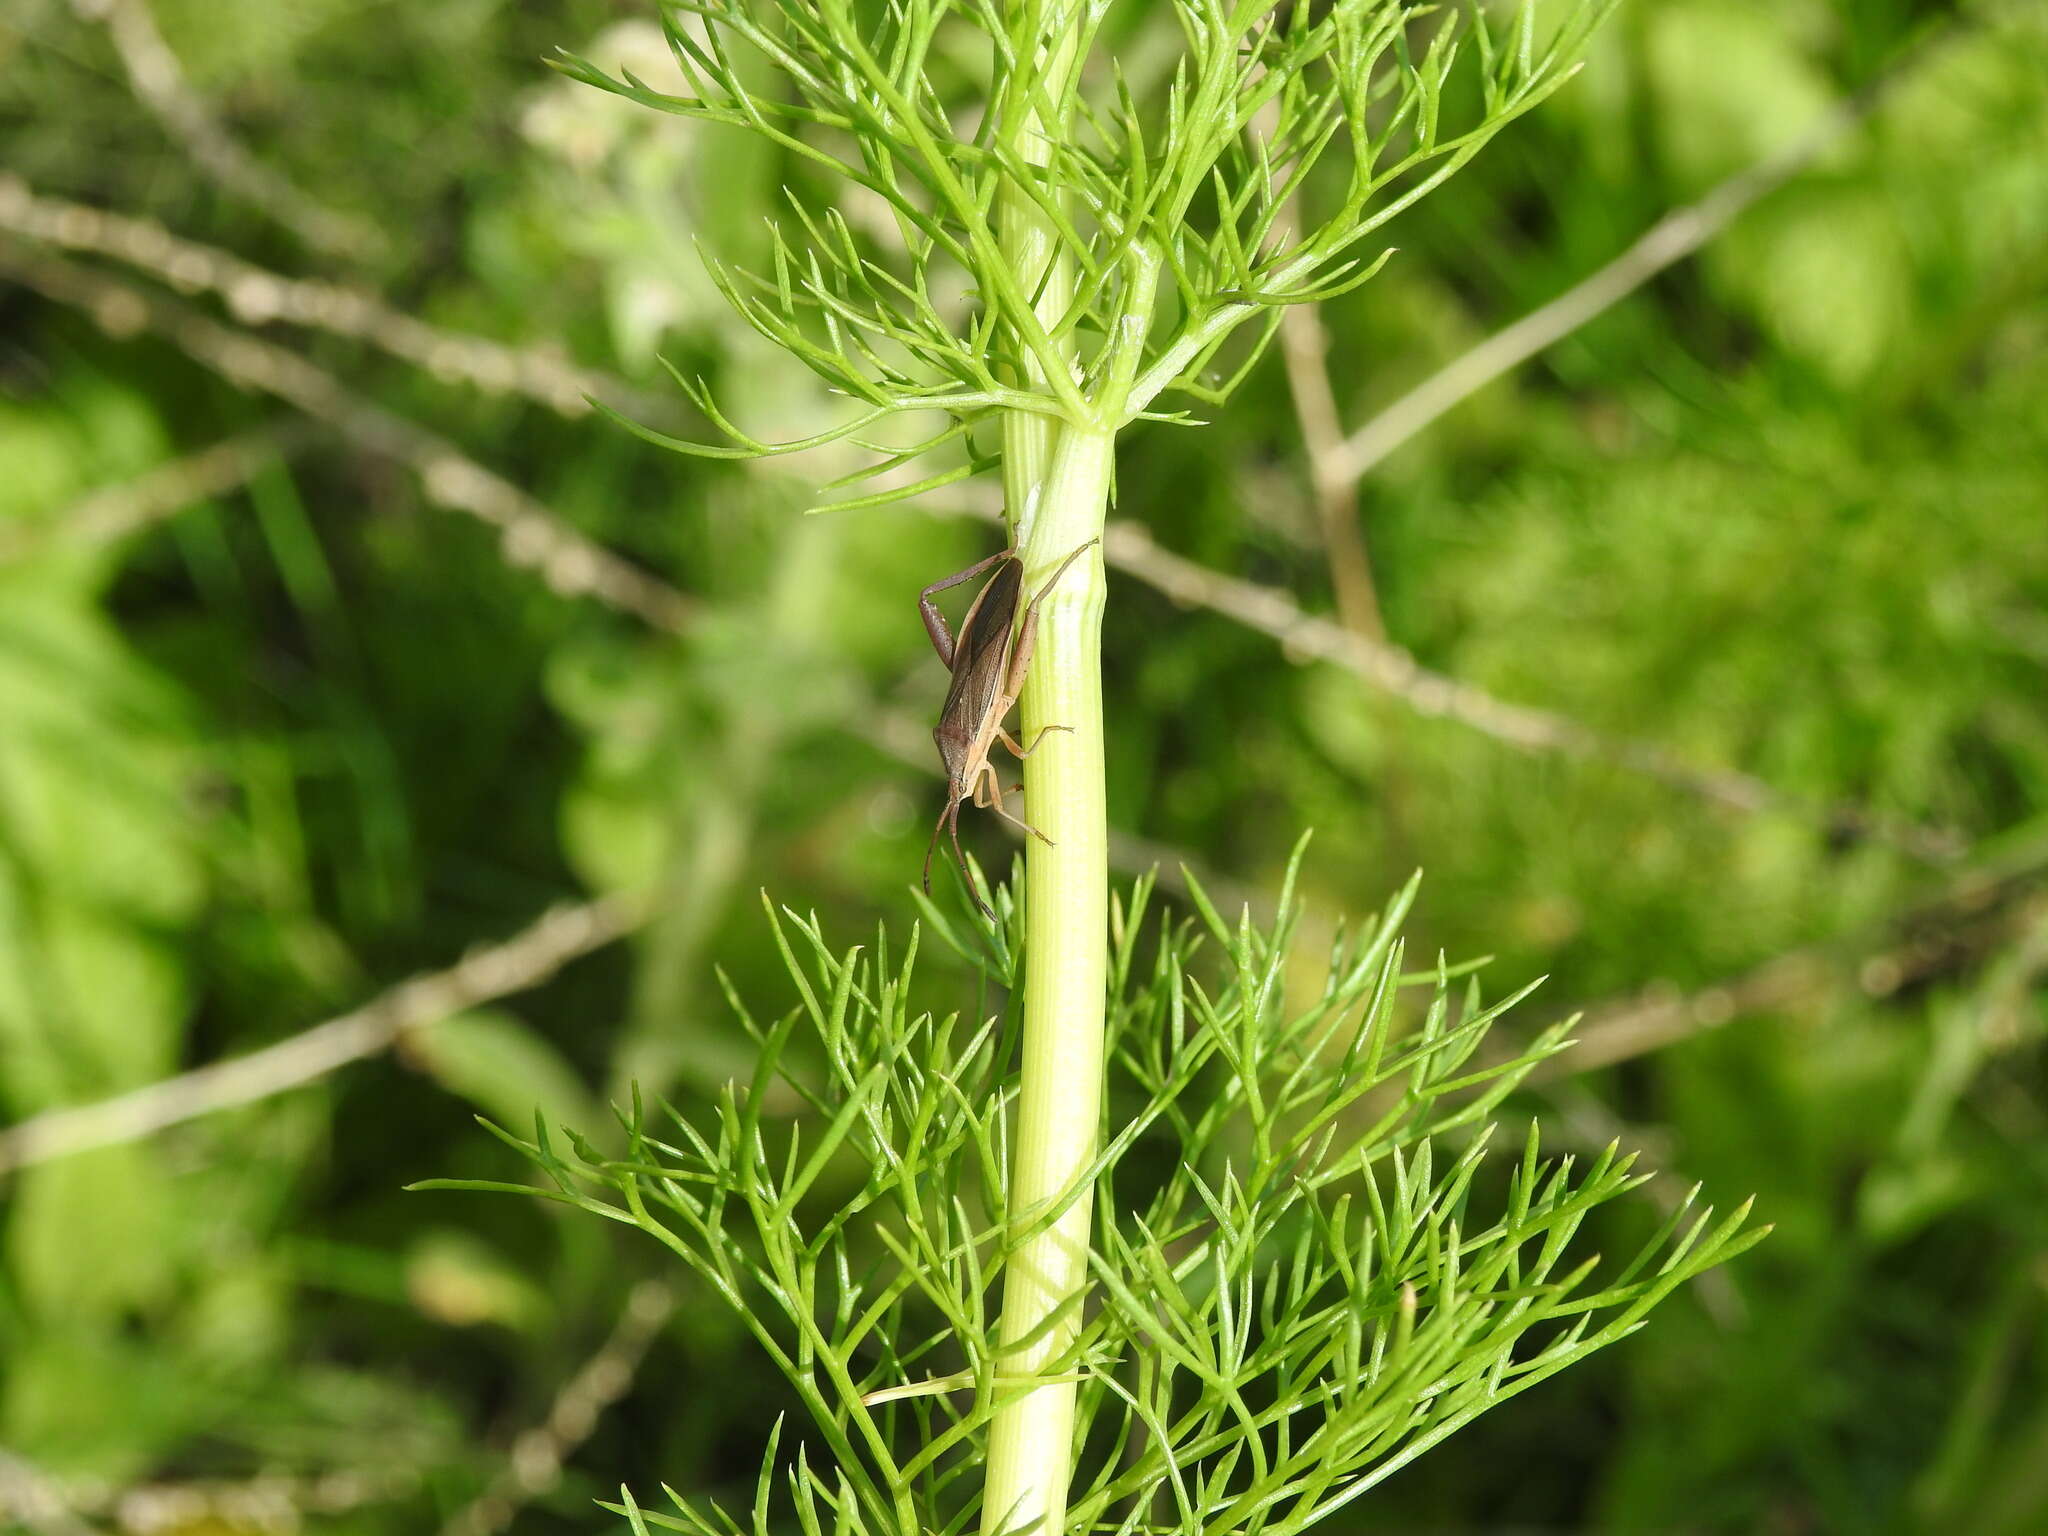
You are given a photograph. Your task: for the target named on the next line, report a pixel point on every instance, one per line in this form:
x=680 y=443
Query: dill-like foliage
x=1309 y=1268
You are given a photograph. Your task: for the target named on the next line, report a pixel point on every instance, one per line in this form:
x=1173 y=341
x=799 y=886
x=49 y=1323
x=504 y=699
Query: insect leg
x=988 y=794
x=1018 y=821
x=949 y=821
x=1020 y=753
x=988 y=789
x=1027 y=634
x=935 y=621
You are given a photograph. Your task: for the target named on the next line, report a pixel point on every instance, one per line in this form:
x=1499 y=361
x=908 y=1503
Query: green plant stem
x=1065 y=975
x=1034 y=253
x=1056 y=479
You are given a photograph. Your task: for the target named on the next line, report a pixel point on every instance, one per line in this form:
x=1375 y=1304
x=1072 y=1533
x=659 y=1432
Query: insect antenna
x=952 y=807
x=949 y=821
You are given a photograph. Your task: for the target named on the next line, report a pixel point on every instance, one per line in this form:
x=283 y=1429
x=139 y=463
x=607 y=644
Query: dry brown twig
x=115 y=511
x=278 y=1504
x=32 y=1499
x=1670 y=240
x=1304 y=346
x=1392 y=669
x=516 y=964
x=534 y=1466
x=530 y=535
x=256 y=297
x=159 y=82
x=1976 y=913
x=1129 y=547
x=268 y=1504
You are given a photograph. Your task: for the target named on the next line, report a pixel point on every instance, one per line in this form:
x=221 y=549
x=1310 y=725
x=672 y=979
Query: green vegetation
x=421 y=648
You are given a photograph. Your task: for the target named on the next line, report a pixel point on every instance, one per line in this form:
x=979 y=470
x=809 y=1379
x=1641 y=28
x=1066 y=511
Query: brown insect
x=988 y=660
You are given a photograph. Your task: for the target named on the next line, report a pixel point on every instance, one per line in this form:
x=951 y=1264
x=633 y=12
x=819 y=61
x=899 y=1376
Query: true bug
x=988 y=660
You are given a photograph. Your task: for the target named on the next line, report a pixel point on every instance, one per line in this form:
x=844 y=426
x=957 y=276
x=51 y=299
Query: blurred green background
x=315 y=673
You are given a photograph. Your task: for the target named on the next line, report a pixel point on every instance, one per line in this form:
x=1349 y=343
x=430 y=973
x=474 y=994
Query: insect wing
x=982 y=650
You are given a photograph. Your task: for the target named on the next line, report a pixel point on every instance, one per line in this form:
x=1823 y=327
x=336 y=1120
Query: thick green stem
x=1066 y=971
x=1056 y=478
